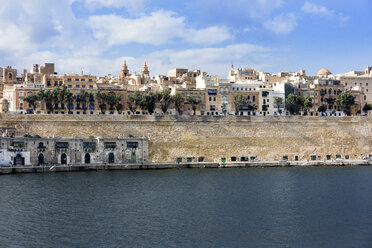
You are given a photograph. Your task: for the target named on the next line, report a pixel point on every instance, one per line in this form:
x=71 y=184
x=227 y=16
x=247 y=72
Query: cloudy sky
x=268 y=35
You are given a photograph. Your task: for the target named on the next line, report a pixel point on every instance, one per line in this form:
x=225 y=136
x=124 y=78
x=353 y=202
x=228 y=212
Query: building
x=64 y=151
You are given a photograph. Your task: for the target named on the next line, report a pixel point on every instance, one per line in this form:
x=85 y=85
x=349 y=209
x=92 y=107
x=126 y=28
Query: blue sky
x=267 y=35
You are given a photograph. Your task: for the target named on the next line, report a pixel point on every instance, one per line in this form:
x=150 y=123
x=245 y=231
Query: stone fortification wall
x=268 y=138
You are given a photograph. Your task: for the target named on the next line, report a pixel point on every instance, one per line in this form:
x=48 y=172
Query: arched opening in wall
x=87 y=158
x=40 y=159
x=10 y=76
x=63 y=158
x=133 y=157
x=111 y=158
x=19 y=160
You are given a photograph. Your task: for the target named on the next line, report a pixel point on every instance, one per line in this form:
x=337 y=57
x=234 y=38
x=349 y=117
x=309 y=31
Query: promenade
x=154 y=166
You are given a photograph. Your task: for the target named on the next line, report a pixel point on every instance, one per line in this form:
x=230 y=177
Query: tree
x=308 y=104
x=177 y=100
x=223 y=108
x=32 y=100
x=113 y=100
x=367 y=107
x=130 y=103
x=322 y=108
x=165 y=100
x=102 y=98
x=48 y=97
x=146 y=101
x=83 y=99
x=138 y=98
x=239 y=101
x=345 y=101
x=193 y=101
x=294 y=103
x=278 y=101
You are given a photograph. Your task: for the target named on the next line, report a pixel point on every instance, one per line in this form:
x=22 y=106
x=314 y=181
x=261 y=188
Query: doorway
x=63 y=158
x=87 y=158
x=111 y=158
x=40 y=160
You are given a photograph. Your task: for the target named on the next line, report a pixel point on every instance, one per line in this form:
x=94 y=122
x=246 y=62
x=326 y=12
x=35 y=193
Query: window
x=254 y=98
x=69 y=86
x=212 y=107
x=132 y=144
x=110 y=145
x=77 y=86
x=76 y=79
x=55 y=83
x=90 y=80
x=69 y=79
x=83 y=79
x=48 y=83
x=83 y=86
x=91 y=86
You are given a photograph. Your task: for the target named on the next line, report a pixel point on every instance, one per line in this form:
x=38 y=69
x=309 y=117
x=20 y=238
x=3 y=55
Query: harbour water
x=241 y=207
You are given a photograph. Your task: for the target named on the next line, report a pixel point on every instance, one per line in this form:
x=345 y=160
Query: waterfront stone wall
x=213 y=138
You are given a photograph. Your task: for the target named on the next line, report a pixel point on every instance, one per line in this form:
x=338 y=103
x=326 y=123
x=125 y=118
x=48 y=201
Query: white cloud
x=315 y=9
x=158 y=28
x=131 y=5
x=72 y=43
x=212 y=60
x=253 y=9
x=210 y=35
x=312 y=8
x=282 y=24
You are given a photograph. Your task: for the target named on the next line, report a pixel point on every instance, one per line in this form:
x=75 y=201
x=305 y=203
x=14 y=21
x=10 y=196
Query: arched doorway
x=19 y=160
x=111 y=158
x=133 y=158
x=40 y=160
x=63 y=158
x=87 y=158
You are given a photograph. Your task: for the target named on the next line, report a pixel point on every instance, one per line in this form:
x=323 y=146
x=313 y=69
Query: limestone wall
x=268 y=138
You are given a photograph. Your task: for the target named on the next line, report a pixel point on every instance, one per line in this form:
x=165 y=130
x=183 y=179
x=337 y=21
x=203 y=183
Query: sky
x=211 y=35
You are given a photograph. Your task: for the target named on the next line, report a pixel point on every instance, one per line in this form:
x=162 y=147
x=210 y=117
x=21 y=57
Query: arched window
x=10 y=75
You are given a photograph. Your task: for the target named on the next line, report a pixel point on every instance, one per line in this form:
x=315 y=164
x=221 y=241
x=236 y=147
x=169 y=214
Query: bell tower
x=145 y=70
x=124 y=70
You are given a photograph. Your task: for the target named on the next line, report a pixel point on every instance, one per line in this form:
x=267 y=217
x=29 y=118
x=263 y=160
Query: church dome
x=324 y=72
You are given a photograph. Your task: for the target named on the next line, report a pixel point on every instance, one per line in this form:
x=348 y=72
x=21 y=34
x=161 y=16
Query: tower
x=145 y=70
x=124 y=70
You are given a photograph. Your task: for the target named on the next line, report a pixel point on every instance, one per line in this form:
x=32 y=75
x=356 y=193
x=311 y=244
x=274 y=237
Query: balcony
x=89 y=146
x=16 y=146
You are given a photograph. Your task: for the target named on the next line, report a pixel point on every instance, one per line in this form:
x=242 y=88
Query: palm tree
x=239 y=101
x=32 y=101
x=83 y=99
x=101 y=97
x=223 y=108
x=278 y=102
x=177 y=100
x=194 y=101
x=165 y=100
